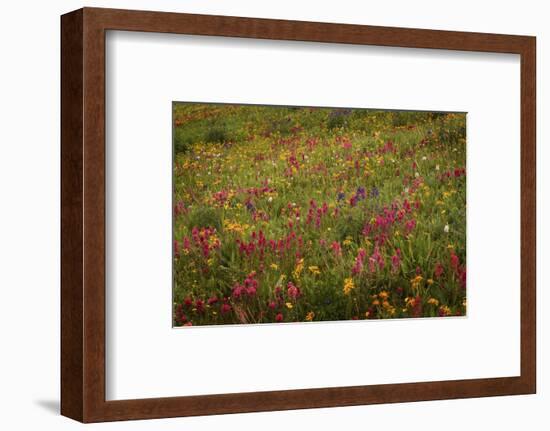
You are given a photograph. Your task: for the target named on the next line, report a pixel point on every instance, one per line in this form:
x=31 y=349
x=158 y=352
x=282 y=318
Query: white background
x=29 y=228
x=145 y=355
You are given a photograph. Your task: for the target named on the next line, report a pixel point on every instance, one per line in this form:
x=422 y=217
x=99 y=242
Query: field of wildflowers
x=285 y=214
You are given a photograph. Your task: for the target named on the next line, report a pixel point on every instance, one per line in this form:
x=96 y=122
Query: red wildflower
x=396 y=260
x=292 y=291
x=454 y=261
x=336 y=248
x=410 y=225
x=199 y=305
x=358 y=267
x=212 y=300
x=462 y=277
x=417 y=308
x=438 y=271
x=237 y=291
x=376 y=260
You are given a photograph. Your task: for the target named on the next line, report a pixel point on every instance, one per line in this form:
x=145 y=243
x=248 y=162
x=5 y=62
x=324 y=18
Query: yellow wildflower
x=299 y=268
x=429 y=281
x=348 y=286
x=231 y=226
x=444 y=310
x=274 y=266
x=310 y=316
x=433 y=301
x=410 y=301
x=314 y=270
x=213 y=240
x=415 y=282
x=289 y=305
x=347 y=241
x=383 y=294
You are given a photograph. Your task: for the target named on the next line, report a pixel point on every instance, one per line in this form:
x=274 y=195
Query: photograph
x=305 y=214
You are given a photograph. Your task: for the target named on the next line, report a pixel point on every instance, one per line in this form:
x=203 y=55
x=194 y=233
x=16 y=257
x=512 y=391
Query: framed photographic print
x=266 y=215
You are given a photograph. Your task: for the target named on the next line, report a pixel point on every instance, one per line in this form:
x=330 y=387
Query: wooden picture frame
x=83 y=334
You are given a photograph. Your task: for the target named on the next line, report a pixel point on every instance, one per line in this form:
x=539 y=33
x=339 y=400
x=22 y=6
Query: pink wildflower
x=396 y=261
x=292 y=291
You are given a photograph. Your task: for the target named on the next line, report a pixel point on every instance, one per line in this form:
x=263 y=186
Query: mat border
x=83 y=213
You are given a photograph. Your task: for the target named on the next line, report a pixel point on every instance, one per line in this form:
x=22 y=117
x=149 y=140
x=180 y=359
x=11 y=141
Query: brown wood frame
x=83 y=214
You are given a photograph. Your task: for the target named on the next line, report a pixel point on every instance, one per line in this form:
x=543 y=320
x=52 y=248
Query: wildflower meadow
x=297 y=214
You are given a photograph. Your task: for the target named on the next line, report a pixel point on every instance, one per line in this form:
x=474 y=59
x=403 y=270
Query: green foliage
x=408 y=118
x=451 y=130
x=203 y=217
x=282 y=127
x=338 y=118
x=217 y=132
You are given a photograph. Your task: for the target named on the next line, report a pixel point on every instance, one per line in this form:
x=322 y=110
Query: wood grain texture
x=72 y=304
x=528 y=216
x=83 y=214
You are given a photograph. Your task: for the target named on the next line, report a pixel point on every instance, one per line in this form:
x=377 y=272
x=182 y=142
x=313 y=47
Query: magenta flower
x=454 y=261
x=396 y=261
x=438 y=271
x=410 y=225
x=292 y=291
x=462 y=278
x=212 y=300
x=358 y=267
x=336 y=248
x=237 y=291
x=376 y=260
x=199 y=305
